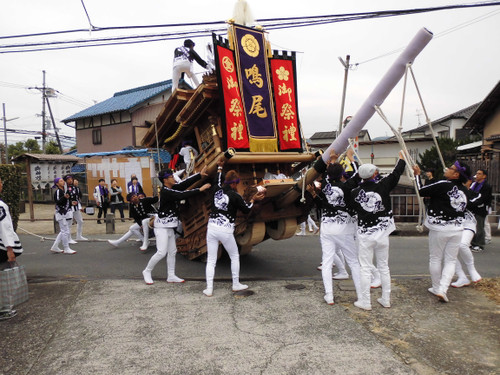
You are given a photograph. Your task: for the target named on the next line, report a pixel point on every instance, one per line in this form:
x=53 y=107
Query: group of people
x=357 y=219
x=113 y=197
x=225 y=203
x=69 y=208
x=68 y=200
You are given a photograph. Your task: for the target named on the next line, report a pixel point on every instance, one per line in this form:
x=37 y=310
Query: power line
x=438 y=35
x=270 y=24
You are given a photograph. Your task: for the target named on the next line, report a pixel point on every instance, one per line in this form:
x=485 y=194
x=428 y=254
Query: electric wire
x=384 y=13
x=270 y=24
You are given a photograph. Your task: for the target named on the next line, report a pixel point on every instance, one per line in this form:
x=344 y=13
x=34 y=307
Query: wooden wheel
x=282 y=228
x=253 y=235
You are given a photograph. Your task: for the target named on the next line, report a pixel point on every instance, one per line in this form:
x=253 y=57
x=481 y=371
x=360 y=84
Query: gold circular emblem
x=227 y=64
x=250 y=45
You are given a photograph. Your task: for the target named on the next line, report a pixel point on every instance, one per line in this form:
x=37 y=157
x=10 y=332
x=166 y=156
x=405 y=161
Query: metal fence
x=405 y=207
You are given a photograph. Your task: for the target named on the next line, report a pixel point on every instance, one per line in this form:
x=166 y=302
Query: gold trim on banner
x=263 y=145
x=230 y=37
x=257 y=144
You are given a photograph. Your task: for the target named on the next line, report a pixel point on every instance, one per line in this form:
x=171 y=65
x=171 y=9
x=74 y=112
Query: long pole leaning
x=366 y=111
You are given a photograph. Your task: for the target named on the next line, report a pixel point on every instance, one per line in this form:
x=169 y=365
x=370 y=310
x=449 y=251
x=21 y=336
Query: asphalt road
x=295 y=258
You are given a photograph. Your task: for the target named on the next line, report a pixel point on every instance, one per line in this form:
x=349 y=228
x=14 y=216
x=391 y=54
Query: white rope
x=303 y=198
x=408 y=66
x=43 y=238
x=409 y=170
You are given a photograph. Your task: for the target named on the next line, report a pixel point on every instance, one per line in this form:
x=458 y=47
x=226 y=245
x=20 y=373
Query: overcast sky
x=458 y=68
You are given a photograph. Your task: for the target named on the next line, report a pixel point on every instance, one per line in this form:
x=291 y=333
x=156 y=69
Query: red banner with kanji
x=283 y=77
x=236 y=127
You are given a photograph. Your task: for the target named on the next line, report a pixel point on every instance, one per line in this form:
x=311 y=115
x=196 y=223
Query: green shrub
x=11 y=194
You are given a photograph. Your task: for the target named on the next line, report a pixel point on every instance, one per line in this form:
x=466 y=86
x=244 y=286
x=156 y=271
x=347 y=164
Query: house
x=324 y=139
x=121 y=120
x=450 y=126
x=383 y=151
x=41 y=170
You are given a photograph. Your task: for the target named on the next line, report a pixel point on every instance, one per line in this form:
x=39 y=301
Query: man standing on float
x=183 y=63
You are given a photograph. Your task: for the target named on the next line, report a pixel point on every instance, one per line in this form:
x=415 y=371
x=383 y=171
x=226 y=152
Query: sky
x=458 y=68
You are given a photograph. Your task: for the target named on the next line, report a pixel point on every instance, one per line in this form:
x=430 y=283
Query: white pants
x=443 y=251
x=134 y=230
x=165 y=246
x=183 y=67
x=487 y=229
x=145 y=230
x=465 y=255
x=330 y=244
x=227 y=240
x=77 y=215
x=64 y=234
x=367 y=248
x=311 y=223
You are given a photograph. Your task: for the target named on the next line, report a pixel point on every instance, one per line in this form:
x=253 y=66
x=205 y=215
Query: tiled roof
x=123 y=100
x=164 y=154
x=488 y=106
x=48 y=157
x=465 y=113
x=333 y=134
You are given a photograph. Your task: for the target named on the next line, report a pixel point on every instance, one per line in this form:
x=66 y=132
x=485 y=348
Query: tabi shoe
x=363 y=306
x=142 y=248
x=147 y=277
x=72 y=241
x=99 y=222
x=476 y=249
x=174 y=279
x=300 y=234
x=237 y=287
x=56 y=250
x=460 y=283
x=69 y=251
x=475 y=277
x=329 y=299
x=81 y=238
x=340 y=276
x=384 y=302
x=442 y=296
x=113 y=243
x=431 y=290
x=208 y=292
x=7 y=314
x=375 y=284
x=320 y=267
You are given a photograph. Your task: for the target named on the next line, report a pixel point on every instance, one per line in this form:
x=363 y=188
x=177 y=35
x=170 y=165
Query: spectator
x=116 y=201
x=101 y=196
x=481 y=186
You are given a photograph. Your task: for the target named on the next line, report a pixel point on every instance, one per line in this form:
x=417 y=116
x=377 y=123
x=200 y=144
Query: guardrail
x=405 y=206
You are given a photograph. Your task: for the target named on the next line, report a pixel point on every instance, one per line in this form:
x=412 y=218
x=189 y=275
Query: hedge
x=11 y=194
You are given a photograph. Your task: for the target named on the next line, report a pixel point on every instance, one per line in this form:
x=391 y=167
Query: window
x=96 y=137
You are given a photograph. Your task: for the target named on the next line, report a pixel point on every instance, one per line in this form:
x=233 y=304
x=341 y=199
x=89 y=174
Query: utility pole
x=5 y=133
x=44 y=134
x=54 y=126
x=346 y=72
